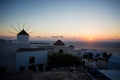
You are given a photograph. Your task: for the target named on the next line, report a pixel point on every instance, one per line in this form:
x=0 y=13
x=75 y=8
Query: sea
x=109 y=47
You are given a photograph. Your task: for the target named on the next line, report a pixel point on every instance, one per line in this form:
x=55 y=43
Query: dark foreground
x=48 y=75
x=16 y=76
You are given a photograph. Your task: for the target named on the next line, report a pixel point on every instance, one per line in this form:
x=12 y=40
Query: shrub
x=62 y=60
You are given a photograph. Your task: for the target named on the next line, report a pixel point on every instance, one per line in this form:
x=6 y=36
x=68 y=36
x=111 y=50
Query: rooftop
x=40 y=43
x=29 y=49
x=112 y=74
x=59 y=43
x=115 y=58
x=23 y=32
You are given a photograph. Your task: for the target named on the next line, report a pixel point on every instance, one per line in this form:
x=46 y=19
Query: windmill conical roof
x=23 y=32
x=59 y=43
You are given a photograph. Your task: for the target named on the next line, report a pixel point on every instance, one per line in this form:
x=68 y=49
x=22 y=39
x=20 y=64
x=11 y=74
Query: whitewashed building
x=90 y=63
x=96 y=53
x=33 y=59
x=71 y=50
x=60 y=47
x=10 y=54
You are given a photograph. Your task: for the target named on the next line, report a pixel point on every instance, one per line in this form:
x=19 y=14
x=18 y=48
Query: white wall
x=94 y=52
x=22 y=58
x=23 y=39
x=71 y=50
x=7 y=56
x=57 y=48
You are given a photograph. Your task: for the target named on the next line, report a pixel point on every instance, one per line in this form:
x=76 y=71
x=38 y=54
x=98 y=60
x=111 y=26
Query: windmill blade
x=23 y=25
x=11 y=32
x=30 y=32
x=18 y=26
x=28 y=28
x=14 y=28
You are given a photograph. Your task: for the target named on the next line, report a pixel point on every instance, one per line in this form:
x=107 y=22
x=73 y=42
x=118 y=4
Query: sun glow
x=90 y=38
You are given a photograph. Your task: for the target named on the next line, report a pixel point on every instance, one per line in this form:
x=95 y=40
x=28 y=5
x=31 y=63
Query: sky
x=78 y=20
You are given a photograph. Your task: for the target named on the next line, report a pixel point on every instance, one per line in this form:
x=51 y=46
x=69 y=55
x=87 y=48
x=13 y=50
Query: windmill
x=22 y=35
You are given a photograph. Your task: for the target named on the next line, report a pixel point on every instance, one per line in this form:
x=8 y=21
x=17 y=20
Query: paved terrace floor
x=61 y=75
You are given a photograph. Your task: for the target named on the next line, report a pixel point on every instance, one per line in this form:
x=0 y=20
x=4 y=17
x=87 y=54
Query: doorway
x=40 y=67
x=61 y=51
x=32 y=68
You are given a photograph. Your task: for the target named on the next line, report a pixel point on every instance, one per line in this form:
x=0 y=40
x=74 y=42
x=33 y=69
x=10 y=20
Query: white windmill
x=22 y=35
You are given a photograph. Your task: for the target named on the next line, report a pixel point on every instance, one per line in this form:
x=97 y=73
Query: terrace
x=62 y=74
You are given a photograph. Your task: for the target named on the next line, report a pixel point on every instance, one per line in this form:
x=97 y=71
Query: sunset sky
x=81 y=20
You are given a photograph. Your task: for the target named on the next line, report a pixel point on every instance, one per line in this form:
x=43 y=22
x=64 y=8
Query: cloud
x=57 y=36
x=7 y=37
x=38 y=37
